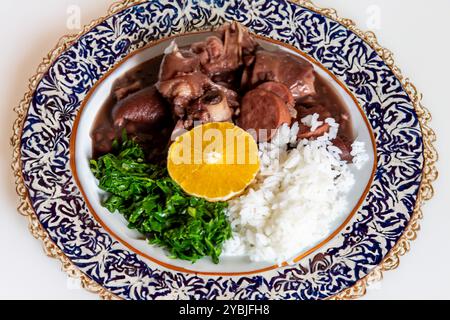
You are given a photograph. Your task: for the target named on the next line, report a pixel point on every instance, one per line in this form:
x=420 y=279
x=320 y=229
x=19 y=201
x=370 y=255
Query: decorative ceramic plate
x=53 y=123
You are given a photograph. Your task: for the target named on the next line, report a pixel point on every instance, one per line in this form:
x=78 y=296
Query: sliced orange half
x=215 y=161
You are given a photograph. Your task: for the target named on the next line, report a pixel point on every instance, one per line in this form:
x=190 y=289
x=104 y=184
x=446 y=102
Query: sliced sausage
x=283 y=92
x=143 y=107
x=263 y=110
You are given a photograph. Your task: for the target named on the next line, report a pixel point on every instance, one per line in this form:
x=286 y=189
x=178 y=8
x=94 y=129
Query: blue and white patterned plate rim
x=360 y=248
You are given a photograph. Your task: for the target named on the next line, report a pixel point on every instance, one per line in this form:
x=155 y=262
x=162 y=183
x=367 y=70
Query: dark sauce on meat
x=155 y=136
x=328 y=97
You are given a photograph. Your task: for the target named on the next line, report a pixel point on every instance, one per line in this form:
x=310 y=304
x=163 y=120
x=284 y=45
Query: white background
x=416 y=31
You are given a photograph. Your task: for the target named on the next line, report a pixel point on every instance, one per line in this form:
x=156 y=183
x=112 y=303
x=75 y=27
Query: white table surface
x=418 y=36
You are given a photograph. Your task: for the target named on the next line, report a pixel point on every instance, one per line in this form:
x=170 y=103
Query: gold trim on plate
x=72 y=154
x=390 y=262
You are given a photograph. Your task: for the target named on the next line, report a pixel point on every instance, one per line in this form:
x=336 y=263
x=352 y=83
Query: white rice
x=295 y=199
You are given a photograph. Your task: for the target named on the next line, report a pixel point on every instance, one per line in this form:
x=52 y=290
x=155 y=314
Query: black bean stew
x=226 y=77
